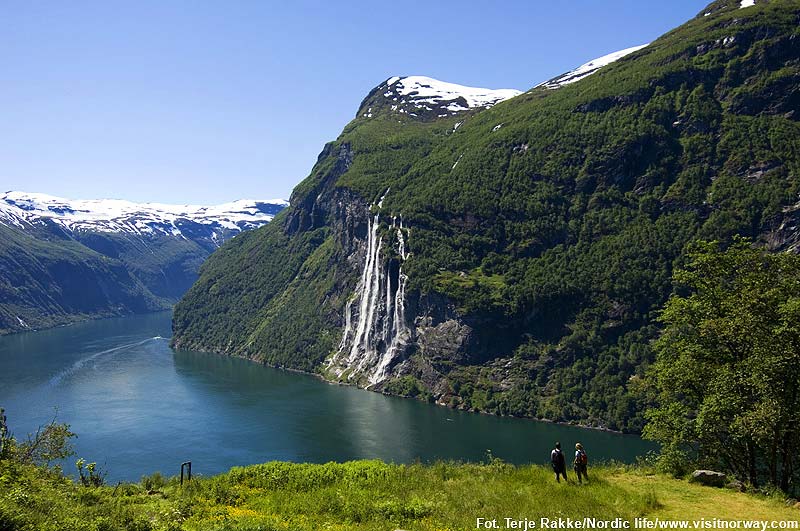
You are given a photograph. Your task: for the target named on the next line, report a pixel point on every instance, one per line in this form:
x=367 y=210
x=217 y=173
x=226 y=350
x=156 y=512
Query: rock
x=797 y=506
x=791 y=502
x=708 y=477
x=736 y=485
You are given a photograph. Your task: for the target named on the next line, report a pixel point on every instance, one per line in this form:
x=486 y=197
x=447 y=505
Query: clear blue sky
x=206 y=102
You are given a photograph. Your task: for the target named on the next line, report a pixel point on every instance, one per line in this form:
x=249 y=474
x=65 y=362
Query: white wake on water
x=75 y=367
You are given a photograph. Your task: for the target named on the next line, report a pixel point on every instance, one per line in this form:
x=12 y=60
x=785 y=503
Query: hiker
x=559 y=463
x=581 y=460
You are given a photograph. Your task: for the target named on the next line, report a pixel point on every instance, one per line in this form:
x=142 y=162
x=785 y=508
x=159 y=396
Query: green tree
x=51 y=442
x=727 y=372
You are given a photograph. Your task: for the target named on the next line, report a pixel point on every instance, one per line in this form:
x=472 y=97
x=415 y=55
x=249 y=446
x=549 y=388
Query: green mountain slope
x=45 y=281
x=512 y=259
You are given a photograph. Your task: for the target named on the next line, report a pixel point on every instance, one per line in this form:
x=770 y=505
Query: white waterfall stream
x=375 y=330
x=396 y=332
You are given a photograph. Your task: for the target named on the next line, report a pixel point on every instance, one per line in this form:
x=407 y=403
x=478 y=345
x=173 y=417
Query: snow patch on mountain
x=423 y=89
x=415 y=95
x=746 y=3
x=587 y=69
x=23 y=209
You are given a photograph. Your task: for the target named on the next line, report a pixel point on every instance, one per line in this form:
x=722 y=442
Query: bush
x=154 y=482
x=89 y=474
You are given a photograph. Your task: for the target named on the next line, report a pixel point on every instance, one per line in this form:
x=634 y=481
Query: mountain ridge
x=428 y=97
x=115 y=215
x=64 y=260
x=588 y=68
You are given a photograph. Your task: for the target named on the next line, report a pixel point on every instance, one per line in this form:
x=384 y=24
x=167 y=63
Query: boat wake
x=75 y=367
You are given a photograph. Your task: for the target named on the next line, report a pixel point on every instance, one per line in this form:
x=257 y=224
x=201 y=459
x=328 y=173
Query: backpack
x=581 y=458
x=557 y=457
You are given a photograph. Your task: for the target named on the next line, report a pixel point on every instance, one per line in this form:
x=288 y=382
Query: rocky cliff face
x=375 y=332
x=387 y=331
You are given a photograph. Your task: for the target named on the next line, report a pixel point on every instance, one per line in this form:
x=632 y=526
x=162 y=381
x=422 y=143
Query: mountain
x=588 y=69
x=510 y=253
x=207 y=224
x=63 y=260
x=420 y=96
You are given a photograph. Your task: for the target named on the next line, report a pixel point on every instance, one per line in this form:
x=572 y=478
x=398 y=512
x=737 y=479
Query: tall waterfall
x=375 y=331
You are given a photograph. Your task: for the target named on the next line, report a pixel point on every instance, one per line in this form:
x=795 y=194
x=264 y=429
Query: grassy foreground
x=360 y=495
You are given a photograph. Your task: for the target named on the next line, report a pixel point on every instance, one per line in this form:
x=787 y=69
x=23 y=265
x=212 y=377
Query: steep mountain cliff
x=508 y=253
x=63 y=260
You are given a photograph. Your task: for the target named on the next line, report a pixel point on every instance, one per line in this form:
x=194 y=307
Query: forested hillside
x=46 y=281
x=511 y=257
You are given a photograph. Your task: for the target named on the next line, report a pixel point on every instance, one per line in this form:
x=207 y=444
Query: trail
x=75 y=367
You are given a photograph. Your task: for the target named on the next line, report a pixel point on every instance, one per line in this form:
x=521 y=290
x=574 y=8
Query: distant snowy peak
x=425 y=96
x=23 y=209
x=587 y=69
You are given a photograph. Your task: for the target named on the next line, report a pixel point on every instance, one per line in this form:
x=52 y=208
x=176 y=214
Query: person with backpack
x=558 y=462
x=581 y=462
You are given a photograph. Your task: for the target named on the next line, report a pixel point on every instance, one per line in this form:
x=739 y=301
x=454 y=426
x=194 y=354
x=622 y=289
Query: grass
x=361 y=495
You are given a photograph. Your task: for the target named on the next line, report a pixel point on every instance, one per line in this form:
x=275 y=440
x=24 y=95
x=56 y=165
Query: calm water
x=138 y=406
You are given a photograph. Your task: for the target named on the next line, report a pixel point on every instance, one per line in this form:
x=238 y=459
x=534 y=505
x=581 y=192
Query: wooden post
x=3 y=429
x=188 y=465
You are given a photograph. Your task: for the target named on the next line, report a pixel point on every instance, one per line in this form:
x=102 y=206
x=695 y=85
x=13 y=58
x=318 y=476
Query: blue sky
x=206 y=102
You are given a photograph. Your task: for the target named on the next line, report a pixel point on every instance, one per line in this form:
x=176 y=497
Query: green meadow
x=363 y=495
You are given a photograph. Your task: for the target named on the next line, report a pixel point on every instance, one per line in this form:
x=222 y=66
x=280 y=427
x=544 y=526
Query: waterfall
x=370 y=282
x=397 y=330
x=375 y=331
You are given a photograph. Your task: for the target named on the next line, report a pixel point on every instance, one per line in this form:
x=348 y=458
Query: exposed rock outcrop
x=709 y=478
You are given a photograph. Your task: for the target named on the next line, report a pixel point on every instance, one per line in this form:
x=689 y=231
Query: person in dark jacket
x=581 y=462
x=558 y=462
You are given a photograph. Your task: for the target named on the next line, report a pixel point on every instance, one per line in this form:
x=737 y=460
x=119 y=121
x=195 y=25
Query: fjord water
x=140 y=407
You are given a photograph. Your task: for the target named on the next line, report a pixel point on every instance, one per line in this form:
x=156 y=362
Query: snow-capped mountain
x=425 y=96
x=587 y=69
x=63 y=260
x=23 y=209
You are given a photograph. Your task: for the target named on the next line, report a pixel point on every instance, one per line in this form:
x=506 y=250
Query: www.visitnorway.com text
x=525 y=524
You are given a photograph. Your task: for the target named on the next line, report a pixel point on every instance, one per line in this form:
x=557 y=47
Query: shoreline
x=322 y=378
x=77 y=319
x=317 y=375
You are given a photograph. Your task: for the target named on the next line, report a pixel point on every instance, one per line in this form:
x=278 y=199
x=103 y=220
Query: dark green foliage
x=728 y=366
x=408 y=386
x=554 y=236
x=249 y=293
